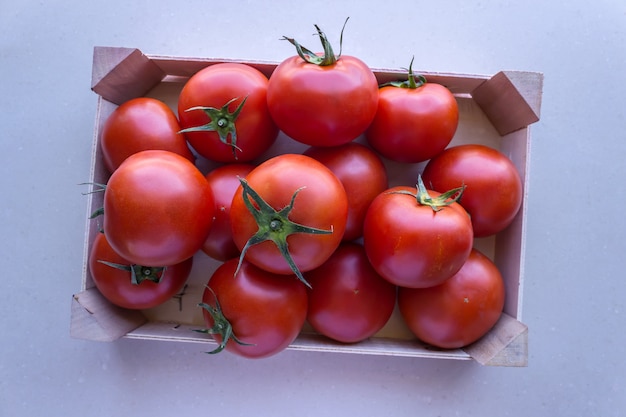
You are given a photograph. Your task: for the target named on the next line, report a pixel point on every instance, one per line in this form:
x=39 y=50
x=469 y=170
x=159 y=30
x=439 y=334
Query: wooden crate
x=495 y=110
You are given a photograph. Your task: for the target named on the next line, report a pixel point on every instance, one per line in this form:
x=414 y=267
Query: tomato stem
x=140 y=273
x=328 y=57
x=423 y=198
x=410 y=82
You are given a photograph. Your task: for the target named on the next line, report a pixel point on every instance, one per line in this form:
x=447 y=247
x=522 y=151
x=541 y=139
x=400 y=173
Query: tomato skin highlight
x=362 y=174
x=158 y=208
x=115 y=284
x=323 y=105
x=494 y=190
x=413 y=125
x=141 y=124
x=459 y=311
x=349 y=301
x=264 y=309
x=410 y=244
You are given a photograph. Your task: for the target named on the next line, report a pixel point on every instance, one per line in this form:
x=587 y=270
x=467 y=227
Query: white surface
x=575 y=284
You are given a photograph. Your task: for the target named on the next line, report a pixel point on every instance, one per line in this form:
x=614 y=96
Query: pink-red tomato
x=459 y=311
x=214 y=87
x=349 y=301
x=158 y=208
x=493 y=193
x=362 y=174
x=116 y=285
x=224 y=181
x=266 y=311
x=137 y=125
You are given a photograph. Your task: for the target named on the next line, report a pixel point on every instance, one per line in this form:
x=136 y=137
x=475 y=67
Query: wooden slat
x=505 y=345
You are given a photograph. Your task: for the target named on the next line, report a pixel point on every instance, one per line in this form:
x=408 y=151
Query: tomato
x=322 y=99
x=153 y=285
x=362 y=174
x=349 y=301
x=137 y=125
x=417 y=240
x=223 y=109
x=414 y=121
x=259 y=313
x=289 y=215
x=493 y=194
x=460 y=310
x=224 y=181
x=158 y=208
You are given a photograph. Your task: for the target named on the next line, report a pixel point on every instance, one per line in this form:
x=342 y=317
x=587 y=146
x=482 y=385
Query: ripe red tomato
x=218 y=124
x=116 y=284
x=362 y=174
x=224 y=181
x=414 y=121
x=412 y=245
x=459 y=311
x=349 y=301
x=300 y=194
x=322 y=99
x=158 y=208
x=264 y=312
x=493 y=194
x=141 y=124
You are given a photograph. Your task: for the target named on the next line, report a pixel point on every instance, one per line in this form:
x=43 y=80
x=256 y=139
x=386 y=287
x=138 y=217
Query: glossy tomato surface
x=413 y=125
x=363 y=175
x=216 y=85
x=349 y=301
x=158 y=208
x=494 y=190
x=459 y=311
x=116 y=286
x=266 y=311
x=412 y=245
x=323 y=105
x=141 y=124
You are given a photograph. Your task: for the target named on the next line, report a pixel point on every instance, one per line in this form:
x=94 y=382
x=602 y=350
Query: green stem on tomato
x=423 y=198
x=411 y=82
x=328 y=57
x=140 y=273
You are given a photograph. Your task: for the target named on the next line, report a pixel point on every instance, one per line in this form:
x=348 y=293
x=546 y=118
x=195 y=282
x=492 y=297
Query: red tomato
x=493 y=193
x=349 y=301
x=412 y=245
x=116 y=284
x=362 y=174
x=322 y=100
x=264 y=312
x=459 y=311
x=158 y=208
x=414 y=121
x=296 y=189
x=137 y=125
x=224 y=181
x=225 y=128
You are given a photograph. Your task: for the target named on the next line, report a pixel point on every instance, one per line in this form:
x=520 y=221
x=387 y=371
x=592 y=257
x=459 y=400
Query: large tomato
x=414 y=121
x=137 y=125
x=417 y=240
x=362 y=174
x=322 y=99
x=289 y=215
x=113 y=277
x=494 y=190
x=223 y=109
x=349 y=301
x=254 y=314
x=460 y=310
x=224 y=181
x=158 y=208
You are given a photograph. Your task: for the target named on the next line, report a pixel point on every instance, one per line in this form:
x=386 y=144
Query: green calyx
x=411 y=82
x=221 y=121
x=275 y=226
x=221 y=325
x=436 y=203
x=139 y=273
x=311 y=57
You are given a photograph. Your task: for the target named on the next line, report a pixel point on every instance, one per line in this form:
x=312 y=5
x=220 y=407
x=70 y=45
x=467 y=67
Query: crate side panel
x=505 y=345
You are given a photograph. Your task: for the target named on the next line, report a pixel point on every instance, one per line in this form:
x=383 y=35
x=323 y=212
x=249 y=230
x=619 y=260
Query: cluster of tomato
x=315 y=237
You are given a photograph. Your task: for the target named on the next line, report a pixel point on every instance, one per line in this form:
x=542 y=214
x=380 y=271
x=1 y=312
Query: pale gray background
x=575 y=284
